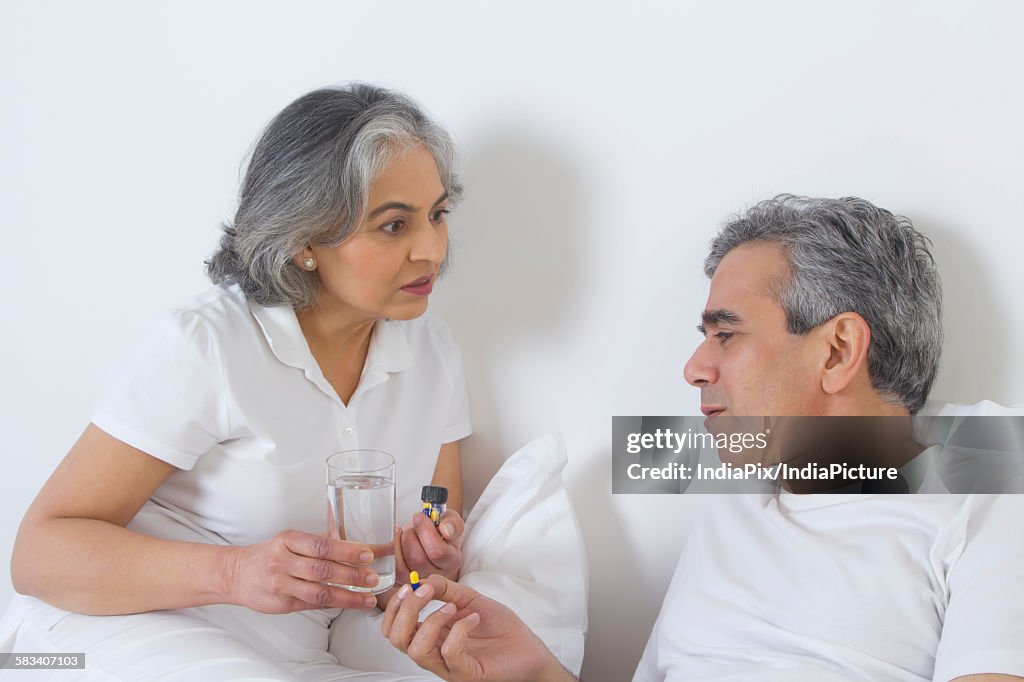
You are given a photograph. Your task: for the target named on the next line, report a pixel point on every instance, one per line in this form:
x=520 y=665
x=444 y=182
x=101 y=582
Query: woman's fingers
x=293 y=570
x=412 y=547
x=427 y=546
x=401 y=565
x=323 y=596
x=318 y=559
x=326 y=571
x=452 y=527
x=321 y=547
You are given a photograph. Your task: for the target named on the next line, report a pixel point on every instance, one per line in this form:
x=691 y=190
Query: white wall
x=601 y=149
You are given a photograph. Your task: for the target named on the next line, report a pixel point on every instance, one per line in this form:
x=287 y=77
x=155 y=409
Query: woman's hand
x=470 y=639
x=429 y=550
x=290 y=572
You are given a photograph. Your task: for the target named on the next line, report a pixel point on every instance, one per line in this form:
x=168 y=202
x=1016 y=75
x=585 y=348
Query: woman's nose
x=430 y=243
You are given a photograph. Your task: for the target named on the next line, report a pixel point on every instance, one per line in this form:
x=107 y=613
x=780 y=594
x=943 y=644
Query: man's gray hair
x=848 y=255
x=308 y=180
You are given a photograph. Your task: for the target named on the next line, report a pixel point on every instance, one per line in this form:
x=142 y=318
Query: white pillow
x=523 y=547
x=977 y=454
x=985 y=408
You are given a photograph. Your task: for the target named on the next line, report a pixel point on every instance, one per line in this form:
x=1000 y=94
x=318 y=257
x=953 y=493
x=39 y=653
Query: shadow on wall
x=513 y=281
x=973 y=364
x=622 y=616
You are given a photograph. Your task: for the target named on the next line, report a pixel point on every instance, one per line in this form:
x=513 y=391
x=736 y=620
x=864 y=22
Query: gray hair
x=308 y=180
x=848 y=255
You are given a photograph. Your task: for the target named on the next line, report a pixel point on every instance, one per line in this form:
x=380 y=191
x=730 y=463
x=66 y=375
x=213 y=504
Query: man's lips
x=712 y=410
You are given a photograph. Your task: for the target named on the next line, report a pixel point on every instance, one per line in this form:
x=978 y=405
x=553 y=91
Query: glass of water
x=361 y=501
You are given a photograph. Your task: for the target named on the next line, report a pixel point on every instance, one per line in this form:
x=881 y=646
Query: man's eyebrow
x=717 y=316
x=400 y=206
x=720 y=315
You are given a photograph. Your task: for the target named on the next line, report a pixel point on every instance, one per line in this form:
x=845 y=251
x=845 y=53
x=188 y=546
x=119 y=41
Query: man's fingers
x=453 y=650
x=404 y=607
x=447 y=590
x=420 y=640
x=392 y=610
x=424 y=645
x=406 y=620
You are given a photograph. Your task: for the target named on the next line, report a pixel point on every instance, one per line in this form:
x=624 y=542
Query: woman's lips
x=420 y=287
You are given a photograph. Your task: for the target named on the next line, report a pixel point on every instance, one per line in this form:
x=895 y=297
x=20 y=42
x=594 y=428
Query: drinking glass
x=361 y=498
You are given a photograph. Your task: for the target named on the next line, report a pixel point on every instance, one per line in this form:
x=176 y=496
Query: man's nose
x=700 y=369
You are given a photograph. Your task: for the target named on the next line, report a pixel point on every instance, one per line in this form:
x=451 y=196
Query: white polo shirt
x=838 y=588
x=228 y=392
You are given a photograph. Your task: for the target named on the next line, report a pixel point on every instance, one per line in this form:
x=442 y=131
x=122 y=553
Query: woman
x=200 y=479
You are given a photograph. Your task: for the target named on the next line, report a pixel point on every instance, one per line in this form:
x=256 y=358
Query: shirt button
x=349 y=431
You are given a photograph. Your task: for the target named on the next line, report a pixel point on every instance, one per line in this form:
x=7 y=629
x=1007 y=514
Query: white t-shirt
x=823 y=588
x=228 y=391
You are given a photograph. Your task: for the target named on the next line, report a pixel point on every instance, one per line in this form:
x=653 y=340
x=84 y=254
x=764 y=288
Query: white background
x=602 y=147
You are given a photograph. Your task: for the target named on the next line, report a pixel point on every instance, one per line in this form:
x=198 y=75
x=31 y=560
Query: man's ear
x=846 y=337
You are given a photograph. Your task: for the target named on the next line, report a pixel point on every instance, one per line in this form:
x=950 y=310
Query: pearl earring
x=309 y=263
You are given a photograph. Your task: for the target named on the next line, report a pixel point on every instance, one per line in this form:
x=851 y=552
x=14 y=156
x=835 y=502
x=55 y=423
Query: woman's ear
x=847 y=337
x=305 y=259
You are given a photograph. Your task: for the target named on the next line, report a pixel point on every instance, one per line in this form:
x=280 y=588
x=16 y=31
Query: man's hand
x=470 y=639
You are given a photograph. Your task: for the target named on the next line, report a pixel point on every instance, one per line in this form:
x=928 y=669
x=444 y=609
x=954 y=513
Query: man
x=831 y=308
x=825 y=308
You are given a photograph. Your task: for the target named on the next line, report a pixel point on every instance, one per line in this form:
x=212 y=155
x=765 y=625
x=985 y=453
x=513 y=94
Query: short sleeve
x=984 y=624
x=167 y=397
x=458 y=424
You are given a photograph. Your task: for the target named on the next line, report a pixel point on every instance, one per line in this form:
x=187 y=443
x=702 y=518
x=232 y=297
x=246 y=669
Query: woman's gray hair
x=848 y=255
x=308 y=180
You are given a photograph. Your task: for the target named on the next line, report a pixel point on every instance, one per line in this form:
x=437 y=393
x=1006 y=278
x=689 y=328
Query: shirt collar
x=389 y=348
x=281 y=329
x=388 y=352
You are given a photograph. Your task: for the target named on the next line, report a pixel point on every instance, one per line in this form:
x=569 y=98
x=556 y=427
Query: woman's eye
x=438 y=215
x=394 y=227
